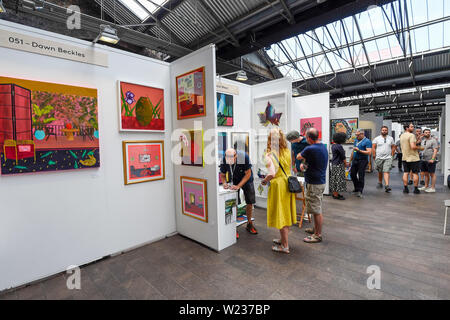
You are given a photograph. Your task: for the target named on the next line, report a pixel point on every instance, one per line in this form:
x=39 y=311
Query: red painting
x=307 y=123
x=141 y=108
x=191 y=94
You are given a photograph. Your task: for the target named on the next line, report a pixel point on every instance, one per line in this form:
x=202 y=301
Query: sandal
x=280 y=248
x=309 y=230
x=251 y=228
x=277 y=241
x=313 y=239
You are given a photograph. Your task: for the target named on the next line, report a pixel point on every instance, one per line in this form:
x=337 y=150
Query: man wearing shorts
x=410 y=147
x=237 y=165
x=316 y=155
x=428 y=165
x=383 y=148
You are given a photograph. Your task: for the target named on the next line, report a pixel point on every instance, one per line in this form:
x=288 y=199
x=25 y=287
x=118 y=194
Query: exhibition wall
x=445 y=145
x=56 y=219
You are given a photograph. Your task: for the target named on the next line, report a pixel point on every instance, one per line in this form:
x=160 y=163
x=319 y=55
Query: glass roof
x=366 y=39
x=143 y=8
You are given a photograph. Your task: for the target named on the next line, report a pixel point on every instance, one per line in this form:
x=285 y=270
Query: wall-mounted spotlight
x=295 y=92
x=241 y=75
x=107 y=34
x=33 y=5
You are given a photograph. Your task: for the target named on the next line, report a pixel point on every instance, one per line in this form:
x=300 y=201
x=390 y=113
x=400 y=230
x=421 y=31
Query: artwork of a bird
x=269 y=116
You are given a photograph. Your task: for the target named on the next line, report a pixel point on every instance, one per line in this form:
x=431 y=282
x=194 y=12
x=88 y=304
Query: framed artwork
x=307 y=123
x=224 y=110
x=270 y=112
x=143 y=161
x=141 y=108
x=190 y=88
x=192 y=148
x=347 y=126
x=240 y=142
x=47 y=127
x=194 y=199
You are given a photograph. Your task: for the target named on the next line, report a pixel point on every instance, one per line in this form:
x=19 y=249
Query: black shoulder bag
x=293 y=184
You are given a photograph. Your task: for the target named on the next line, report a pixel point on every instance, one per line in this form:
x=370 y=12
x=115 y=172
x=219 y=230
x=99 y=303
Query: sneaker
x=387 y=189
x=251 y=228
x=422 y=188
x=430 y=190
x=237 y=235
x=422 y=183
x=379 y=185
x=410 y=182
x=359 y=195
x=405 y=190
x=416 y=190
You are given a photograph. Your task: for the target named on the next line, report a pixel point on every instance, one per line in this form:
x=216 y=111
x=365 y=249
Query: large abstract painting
x=47 y=127
x=194 y=200
x=224 y=110
x=348 y=126
x=141 y=108
x=143 y=161
x=190 y=88
x=192 y=148
x=307 y=123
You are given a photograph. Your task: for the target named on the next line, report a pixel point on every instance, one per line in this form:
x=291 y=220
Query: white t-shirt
x=384 y=147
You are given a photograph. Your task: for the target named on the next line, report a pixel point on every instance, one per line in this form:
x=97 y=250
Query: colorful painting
x=270 y=112
x=143 y=161
x=192 y=146
x=347 y=126
x=191 y=94
x=230 y=210
x=194 y=198
x=307 y=123
x=224 y=110
x=47 y=127
x=240 y=142
x=141 y=108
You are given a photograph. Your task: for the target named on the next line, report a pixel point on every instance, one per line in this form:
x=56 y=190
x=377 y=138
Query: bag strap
x=279 y=164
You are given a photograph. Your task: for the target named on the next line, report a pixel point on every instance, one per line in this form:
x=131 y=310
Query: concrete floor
x=402 y=234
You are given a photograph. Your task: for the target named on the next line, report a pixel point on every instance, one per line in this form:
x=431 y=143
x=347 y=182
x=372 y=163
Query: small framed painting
x=141 y=108
x=224 y=110
x=190 y=88
x=143 y=161
x=307 y=123
x=194 y=199
x=192 y=148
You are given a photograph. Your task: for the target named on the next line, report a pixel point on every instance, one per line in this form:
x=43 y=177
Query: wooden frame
x=205 y=198
x=179 y=116
x=126 y=177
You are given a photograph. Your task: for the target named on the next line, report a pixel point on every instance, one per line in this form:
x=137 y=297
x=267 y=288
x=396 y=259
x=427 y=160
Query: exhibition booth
x=103 y=151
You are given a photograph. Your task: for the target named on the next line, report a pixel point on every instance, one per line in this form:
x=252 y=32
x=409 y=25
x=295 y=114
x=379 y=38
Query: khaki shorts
x=383 y=165
x=314 y=196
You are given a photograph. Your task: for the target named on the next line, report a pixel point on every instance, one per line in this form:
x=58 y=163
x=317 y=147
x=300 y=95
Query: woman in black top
x=338 y=164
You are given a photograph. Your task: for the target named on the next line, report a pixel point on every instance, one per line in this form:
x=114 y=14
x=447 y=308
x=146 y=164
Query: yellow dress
x=281 y=208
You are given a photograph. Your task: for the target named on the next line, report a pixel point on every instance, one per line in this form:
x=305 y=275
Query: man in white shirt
x=383 y=148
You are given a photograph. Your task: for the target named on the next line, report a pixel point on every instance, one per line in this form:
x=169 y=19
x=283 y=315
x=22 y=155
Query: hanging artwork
x=240 y=142
x=230 y=210
x=190 y=88
x=270 y=112
x=192 y=148
x=224 y=110
x=141 y=108
x=347 y=126
x=194 y=201
x=143 y=161
x=47 y=127
x=307 y=123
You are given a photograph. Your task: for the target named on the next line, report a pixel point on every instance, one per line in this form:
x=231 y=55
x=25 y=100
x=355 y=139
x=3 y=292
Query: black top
x=237 y=170
x=338 y=154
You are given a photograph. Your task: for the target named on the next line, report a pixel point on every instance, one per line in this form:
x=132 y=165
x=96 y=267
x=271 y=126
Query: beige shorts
x=314 y=196
x=383 y=165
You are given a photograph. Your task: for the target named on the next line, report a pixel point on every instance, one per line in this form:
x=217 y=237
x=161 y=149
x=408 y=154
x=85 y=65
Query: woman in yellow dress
x=281 y=208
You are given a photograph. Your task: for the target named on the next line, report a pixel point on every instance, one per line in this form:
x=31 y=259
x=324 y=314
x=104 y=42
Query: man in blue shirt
x=359 y=159
x=298 y=144
x=316 y=155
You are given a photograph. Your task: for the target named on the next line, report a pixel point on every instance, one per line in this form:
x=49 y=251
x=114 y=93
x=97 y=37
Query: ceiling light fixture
x=241 y=75
x=31 y=5
x=2 y=7
x=107 y=34
x=295 y=92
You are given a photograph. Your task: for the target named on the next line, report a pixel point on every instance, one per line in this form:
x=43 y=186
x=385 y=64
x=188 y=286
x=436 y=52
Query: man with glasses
x=428 y=164
x=410 y=147
x=359 y=160
x=237 y=166
x=383 y=148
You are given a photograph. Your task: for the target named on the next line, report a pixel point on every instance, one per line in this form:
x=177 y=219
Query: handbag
x=293 y=185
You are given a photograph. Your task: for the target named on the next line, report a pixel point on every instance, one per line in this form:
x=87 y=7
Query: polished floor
x=401 y=234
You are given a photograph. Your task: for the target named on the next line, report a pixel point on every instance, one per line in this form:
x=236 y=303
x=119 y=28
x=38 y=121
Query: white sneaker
x=423 y=188
x=430 y=190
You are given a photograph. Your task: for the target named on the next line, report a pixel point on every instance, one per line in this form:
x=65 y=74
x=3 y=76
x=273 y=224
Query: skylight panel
x=136 y=9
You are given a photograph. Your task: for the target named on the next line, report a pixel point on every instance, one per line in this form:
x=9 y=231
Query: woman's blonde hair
x=276 y=142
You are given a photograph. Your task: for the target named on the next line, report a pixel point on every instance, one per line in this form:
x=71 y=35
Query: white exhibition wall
x=317 y=105
x=445 y=145
x=52 y=220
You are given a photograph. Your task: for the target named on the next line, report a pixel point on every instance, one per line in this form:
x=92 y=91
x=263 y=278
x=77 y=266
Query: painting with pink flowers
x=141 y=108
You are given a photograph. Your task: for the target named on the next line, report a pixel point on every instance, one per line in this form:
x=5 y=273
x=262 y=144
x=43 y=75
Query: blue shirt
x=362 y=145
x=316 y=156
x=237 y=170
x=298 y=147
